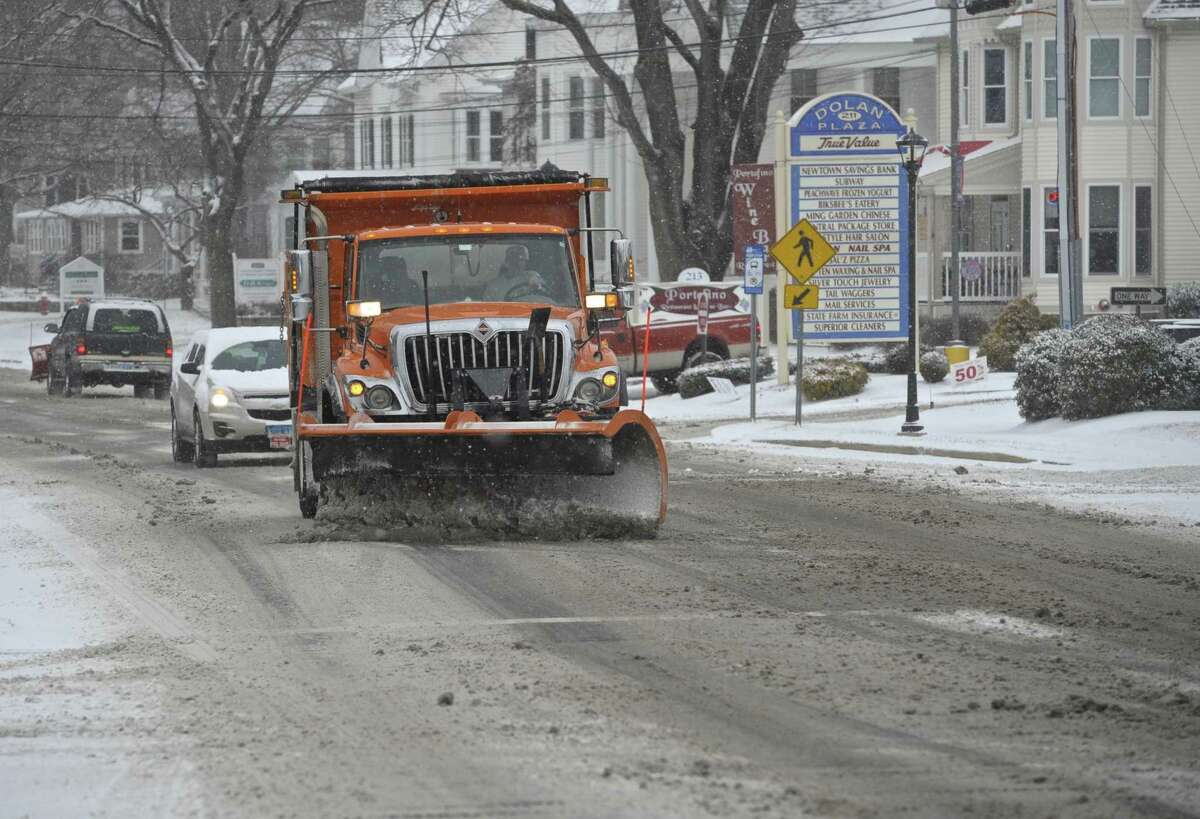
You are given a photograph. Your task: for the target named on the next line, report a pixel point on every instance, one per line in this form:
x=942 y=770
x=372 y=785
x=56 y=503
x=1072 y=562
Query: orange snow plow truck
x=446 y=360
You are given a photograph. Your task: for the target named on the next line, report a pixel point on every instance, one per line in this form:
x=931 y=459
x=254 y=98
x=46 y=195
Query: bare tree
x=734 y=61
x=228 y=55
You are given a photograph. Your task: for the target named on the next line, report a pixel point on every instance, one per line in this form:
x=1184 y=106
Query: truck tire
x=695 y=356
x=202 y=456
x=54 y=383
x=74 y=383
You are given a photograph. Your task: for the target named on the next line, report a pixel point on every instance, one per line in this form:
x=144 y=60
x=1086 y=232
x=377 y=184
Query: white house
x=1139 y=182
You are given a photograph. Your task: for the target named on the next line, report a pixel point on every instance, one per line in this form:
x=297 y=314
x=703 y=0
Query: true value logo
x=851 y=114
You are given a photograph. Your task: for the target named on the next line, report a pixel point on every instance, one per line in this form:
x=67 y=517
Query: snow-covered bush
x=1038 y=363
x=1114 y=363
x=833 y=378
x=1018 y=322
x=1183 y=300
x=1183 y=393
x=939 y=332
x=934 y=366
x=895 y=359
x=694 y=381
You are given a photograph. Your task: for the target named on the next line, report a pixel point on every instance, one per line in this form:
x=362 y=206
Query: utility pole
x=1070 y=279
x=956 y=180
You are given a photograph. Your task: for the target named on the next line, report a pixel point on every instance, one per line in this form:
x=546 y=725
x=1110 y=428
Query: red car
x=676 y=310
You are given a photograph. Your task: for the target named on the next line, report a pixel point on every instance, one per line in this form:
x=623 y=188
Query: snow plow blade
x=566 y=477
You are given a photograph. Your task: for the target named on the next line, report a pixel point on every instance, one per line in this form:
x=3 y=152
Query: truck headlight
x=379 y=398
x=598 y=390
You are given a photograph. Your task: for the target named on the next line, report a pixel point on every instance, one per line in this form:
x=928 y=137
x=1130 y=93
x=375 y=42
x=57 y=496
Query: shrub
x=833 y=378
x=1183 y=392
x=146 y=284
x=1017 y=323
x=693 y=382
x=1183 y=300
x=934 y=366
x=1038 y=364
x=939 y=332
x=1114 y=363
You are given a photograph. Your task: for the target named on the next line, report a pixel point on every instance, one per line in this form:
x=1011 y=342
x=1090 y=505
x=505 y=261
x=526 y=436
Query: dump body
x=443 y=332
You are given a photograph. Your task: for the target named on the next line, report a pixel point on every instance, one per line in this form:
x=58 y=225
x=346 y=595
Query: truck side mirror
x=50 y=328
x=620 y=257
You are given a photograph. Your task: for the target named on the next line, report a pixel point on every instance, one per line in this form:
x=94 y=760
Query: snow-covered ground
x=1138 y=466
x=20 y=330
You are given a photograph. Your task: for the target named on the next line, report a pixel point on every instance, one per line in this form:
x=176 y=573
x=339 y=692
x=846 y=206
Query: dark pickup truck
x=118 y=342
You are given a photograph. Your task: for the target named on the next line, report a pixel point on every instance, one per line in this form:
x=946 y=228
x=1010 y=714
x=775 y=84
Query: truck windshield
x=522 y=267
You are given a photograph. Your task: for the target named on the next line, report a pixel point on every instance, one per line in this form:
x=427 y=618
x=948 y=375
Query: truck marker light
x=601 y=301
x=363 y=309
x=356 y=388
x=610 y=380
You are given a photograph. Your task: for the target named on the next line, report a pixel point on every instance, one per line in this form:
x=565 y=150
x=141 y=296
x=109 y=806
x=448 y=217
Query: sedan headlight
x=221 y=398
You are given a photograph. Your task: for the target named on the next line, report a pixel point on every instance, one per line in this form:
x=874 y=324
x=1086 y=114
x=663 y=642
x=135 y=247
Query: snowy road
x=179 y=642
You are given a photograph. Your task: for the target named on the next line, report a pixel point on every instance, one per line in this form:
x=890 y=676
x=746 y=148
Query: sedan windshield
x=251 y=356
x=526 y=268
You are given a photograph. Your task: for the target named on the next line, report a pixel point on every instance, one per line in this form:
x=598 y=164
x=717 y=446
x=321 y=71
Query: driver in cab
x=514 y=279
x=391 y=284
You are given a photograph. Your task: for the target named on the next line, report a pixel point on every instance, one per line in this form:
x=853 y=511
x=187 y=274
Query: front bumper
x=234 y=428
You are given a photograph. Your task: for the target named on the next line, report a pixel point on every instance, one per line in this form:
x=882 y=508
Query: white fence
x=984 y=276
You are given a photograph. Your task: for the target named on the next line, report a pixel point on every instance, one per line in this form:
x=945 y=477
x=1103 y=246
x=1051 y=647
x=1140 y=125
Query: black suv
x=111 y=341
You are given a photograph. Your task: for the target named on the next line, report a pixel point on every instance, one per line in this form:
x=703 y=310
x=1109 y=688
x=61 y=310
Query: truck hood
x=381 y=329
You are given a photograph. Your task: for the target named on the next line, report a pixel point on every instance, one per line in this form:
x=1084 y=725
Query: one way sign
x=1138 y=296
x=801 y=296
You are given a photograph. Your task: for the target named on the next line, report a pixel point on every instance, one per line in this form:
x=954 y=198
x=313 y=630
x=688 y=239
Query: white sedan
x=229 y=393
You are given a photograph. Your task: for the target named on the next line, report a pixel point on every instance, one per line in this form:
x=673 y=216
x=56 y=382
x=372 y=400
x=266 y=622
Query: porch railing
x=984 y=276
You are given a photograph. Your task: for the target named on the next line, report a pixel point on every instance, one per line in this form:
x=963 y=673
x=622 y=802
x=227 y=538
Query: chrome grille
x=429 y=362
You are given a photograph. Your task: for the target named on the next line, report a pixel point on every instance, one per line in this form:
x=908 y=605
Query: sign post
x=752 y=267
x=802 y=252
x=702 y=324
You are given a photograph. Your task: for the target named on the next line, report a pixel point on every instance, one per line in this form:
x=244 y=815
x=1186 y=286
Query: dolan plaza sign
x=843 y=174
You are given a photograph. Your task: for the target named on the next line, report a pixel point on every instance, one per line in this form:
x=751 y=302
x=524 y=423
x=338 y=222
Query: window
x=1104 y=77
x=1142 y=71
x=33 y=236
x=118 y=320
x=322 y=152
x=386 y=143
x=804 y=87
x=885 y=83
x=473 y=136
x=1104 y=230
x=1049 y=79
x=366 y=144
x=545 y=109
x=530 y=43
x=496 y=136
x=1050 y=231
x=598 y=113
x=1143 y=257
x=1027 y=74
x=1026 y=230
x=74 y=320
x=995 y=92
x=575 y=112
x=964 y=102
x=131 y=237
x=407 y=157
x=92 y=236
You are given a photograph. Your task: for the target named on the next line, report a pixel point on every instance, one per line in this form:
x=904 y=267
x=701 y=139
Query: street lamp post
x=912 y=153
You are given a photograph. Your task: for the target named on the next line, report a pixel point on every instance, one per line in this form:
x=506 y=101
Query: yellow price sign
x=803 y=251
x=801 y=296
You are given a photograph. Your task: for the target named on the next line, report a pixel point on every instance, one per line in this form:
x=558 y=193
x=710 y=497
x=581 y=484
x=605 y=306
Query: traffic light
x=980 y=6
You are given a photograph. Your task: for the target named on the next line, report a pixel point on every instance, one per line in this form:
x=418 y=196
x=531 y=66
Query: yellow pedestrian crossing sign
x=801 y=296
x=803 y=251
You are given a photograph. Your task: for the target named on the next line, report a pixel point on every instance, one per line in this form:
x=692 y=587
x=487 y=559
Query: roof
x=937 y=158
x=222 y=337
x=1166 y=11
x=91 y=207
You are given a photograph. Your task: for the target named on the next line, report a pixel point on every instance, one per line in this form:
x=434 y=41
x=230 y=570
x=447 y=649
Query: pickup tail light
x=80 y=347
x=170 y=352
